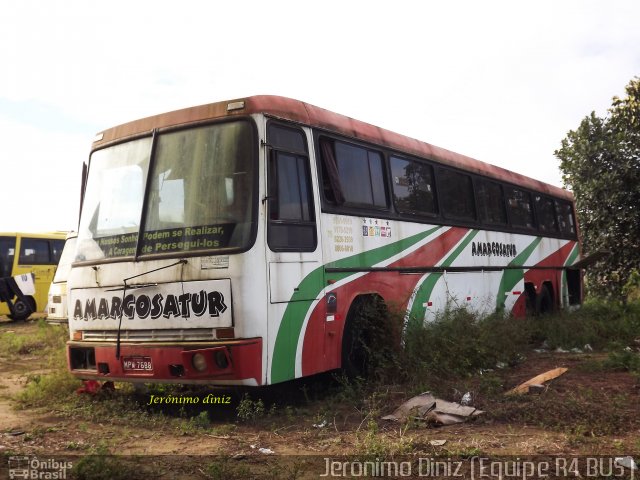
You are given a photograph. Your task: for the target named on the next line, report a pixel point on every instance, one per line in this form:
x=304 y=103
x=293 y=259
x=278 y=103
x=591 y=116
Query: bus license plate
x=138 y=363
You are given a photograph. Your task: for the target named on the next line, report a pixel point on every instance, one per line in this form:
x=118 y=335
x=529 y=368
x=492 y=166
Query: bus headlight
x=199 y=362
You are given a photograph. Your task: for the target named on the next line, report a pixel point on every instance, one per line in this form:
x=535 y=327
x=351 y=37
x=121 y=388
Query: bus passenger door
x=293 y=254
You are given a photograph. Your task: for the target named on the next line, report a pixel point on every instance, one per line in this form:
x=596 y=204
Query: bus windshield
x=66 y=259
x=199 y=194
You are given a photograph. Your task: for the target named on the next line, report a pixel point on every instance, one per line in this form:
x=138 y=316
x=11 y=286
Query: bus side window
x=520 y=208
x=565 y=218
x=413 y=187
x=363 y=171
x=491 y=202
x=291 y=213
x=331 y=185
x=456 y=195
x=546 y=214
x=34 y=251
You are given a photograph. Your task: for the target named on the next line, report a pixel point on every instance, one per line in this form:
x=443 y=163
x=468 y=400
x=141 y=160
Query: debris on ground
x=537 y=380
x=93 y=387
x=437 y=443
x=322 y=424
x=537 y=388
x=89 y=386
x=466 y=399
x=433 y=410
x=265 y=451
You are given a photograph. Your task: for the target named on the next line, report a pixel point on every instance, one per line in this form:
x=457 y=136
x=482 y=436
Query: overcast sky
x=501 y=81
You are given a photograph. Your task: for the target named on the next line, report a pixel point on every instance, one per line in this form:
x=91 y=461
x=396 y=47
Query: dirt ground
x=586 y=411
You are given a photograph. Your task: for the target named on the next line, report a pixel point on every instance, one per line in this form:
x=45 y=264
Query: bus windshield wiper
x=133 y=286
x=182 y=261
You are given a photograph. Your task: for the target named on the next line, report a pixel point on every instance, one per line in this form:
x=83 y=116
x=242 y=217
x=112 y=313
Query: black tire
x=354 y=355
x=23 y=309
x=544 y=302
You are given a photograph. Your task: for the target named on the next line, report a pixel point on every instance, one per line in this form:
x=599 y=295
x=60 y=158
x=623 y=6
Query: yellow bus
x=36 y=253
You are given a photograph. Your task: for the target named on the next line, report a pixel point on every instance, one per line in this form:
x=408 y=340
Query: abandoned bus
x=236 y=243
x=57 y=297
x=36 y=253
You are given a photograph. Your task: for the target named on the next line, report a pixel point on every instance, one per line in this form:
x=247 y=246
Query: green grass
x=458 y=343
x=451 y=350
x=600 y=324
x=47 y=339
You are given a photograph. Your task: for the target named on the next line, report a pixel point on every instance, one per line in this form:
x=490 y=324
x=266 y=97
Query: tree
x=600 y=162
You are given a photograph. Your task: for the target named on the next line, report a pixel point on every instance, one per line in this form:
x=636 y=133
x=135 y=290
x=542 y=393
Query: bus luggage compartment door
x=294 y=281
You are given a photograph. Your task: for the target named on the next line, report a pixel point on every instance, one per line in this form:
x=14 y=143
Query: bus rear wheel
x=544 y=301
x=23 y=308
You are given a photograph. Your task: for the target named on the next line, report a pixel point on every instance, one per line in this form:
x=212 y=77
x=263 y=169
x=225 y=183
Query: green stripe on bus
x=418 y=308
x=573 y=255
x=565 y=287
x=511 y=277
x=283 y=364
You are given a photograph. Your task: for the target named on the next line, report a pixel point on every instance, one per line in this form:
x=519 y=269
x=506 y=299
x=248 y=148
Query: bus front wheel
x=23 y=308
x=366 y=339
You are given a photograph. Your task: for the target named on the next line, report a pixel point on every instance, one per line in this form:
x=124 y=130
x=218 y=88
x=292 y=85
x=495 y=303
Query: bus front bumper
x=233 y=362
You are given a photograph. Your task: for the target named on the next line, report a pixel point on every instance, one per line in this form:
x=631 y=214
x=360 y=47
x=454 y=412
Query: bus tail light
x=77 y=335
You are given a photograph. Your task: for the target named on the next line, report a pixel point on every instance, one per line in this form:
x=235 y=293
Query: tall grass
x=601 y=324
x=459 y=343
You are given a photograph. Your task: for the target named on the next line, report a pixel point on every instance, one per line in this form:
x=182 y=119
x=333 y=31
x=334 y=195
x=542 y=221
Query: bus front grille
x=164 y=335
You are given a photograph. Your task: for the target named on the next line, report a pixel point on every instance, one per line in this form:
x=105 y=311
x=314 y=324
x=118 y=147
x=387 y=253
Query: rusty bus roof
x=307 y=114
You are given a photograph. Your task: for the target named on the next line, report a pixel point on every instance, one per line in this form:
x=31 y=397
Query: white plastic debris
x=437 y=443
x=266 y=451
x=322 y=424
x=588 y=348
x=466 y=399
